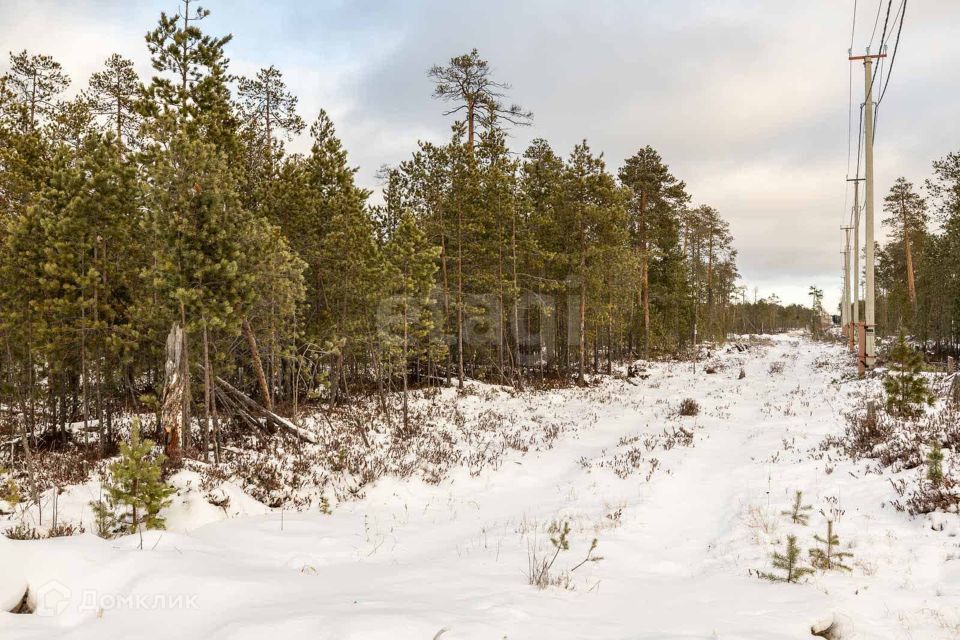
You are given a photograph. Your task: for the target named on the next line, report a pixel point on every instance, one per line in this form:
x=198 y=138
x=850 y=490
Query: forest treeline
x=143 y=206
x=918 y=269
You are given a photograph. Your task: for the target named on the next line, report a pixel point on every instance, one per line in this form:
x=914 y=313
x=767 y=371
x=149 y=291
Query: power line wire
x=896 y=44
x=853 y=26
x=853 y=32
x=901 y=12
x=876 y=21
x=883 y=36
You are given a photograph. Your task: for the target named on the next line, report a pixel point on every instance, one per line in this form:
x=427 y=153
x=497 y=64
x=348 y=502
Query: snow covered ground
x=682 y=509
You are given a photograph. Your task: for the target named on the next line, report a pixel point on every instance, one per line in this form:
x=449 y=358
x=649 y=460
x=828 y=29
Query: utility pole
x=869 y=350
x=855 y=268
x=845 y=298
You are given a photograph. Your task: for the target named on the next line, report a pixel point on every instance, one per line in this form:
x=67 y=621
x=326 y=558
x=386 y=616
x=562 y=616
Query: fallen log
x=272 y=419
x=232 y=407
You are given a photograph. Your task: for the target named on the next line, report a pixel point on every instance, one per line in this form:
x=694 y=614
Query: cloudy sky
x=747 y=100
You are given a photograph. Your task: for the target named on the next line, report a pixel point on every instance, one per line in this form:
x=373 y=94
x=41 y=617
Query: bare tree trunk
x=583 y=300
x=911 y=283
x=172 y=411
x=583 y=332
x=446 y=298
x=460 y=298
x=257 y=364
x=187 y=392
x=406 y=343
x=515 y=347
x=207 y=396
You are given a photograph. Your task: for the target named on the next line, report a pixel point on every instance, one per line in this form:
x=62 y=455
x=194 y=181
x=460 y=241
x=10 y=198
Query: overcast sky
x=746 y=100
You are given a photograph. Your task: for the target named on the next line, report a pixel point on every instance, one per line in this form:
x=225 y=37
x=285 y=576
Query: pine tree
x=466 y=82
x=135 y=486
x=71 y=122
x=88 y=215
x=908 y=218
x=935 y=464
x=816 y=307
x=829 y=557
x=542 y=204
x=798 y=512
x=269 y=112
x=411 y=265
x=907 y=390
x=197 y=228
x=595 y=217
x=192 y=92
x=35 y=81
x=115 y=94
x=652 y=190
x=787 y=562
x=277 y=295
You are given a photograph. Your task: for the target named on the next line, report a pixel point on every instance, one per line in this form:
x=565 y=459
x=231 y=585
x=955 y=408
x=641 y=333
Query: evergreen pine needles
x=788 y=562
x=135 y=486
x=907 y=390
x=935 y=464
x=798 y=512
x=829 y=557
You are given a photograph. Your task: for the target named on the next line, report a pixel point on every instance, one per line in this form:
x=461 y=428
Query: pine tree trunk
x=908 y=254
x=257 y=364
x=406 y=342
x=644 y=275
x=207 y=395
x=516 y=298
x=460 y=375
x=187 y=393
x=583 y=300
x=446 y=299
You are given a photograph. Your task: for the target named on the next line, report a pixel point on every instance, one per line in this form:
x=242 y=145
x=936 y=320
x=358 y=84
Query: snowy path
x=412 y=559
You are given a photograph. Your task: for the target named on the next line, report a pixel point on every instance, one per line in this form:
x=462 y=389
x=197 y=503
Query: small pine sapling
x=590 y=557
x=829 y=557
x=560 y=542
x=539 y=567
x=798 y=512
x=935 y=465
x=788 y=562
x=10 y=492
x=907 y=390
x=135 y=483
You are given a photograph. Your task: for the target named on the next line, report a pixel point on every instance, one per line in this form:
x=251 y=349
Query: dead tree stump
x=171 y=415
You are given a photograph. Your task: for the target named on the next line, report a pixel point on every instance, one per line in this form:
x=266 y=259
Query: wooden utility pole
x=869 y=351
x=845 y=298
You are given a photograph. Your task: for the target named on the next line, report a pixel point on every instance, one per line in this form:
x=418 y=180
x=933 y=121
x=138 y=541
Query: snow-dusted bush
x=688 y=407
x=899 y=444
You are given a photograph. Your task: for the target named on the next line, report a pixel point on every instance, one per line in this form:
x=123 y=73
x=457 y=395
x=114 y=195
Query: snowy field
x=683 y=511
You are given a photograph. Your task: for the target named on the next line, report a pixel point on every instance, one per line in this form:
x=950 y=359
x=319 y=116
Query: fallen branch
x=268 y=416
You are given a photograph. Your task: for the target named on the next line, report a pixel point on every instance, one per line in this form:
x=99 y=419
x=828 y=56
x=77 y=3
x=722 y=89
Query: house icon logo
x=51 y=599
